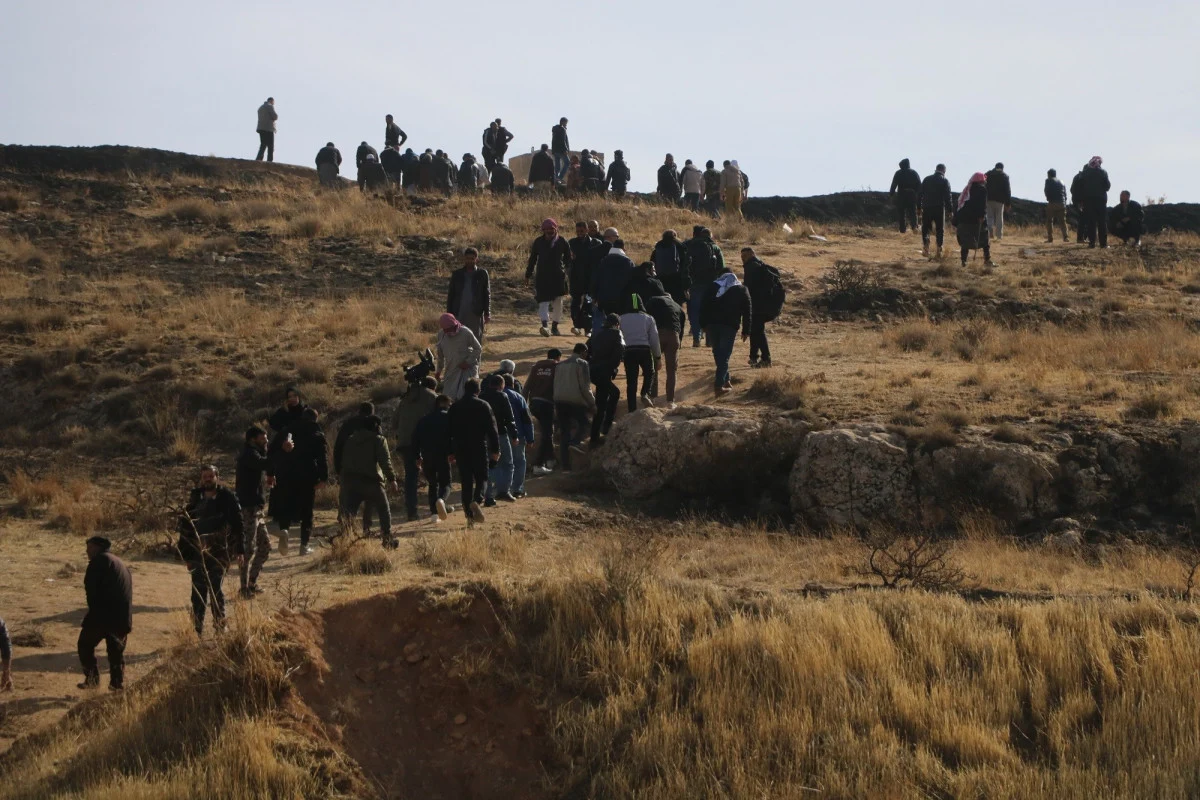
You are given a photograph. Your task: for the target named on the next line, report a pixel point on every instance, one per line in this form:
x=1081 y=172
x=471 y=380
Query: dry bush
x=1153 y=405
x=970 y=338
x=23 y=253
x=25 y=319
x=854 y=278
x=33 y=636
x=474 y=549
x=911 y=337
x=257 y=210
x=11 y=201
x=919 y=561
x=353 y=556
x=167 y=243
x=193 y=210
x=31 y=493
x=312 y=370
x=779 y=388
x=1011 y=434
x=306 y=227
x=79 y=508
x=628 y=558
x=221 y=244
x=183 y=445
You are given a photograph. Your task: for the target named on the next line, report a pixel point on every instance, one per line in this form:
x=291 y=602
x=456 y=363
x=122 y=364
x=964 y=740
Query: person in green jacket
x=366 y=467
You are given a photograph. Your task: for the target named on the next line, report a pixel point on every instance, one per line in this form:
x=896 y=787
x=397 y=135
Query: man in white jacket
x=693 y=185
x=266 y=130
x=642 y=351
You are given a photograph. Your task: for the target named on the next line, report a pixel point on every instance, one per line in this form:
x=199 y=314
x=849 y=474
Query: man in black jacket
x=617 y=177
x=253 y=473
x=475 y=443
x=299 y=458
x=668 y=181
x=706 y=263
x=560 y=147
x=393 y=165
x=503 y=181
x=210 y=534
x=109 y=618
x=672 y=264
x=329 y=162
x=1056 y=206
x=500 y=474
x=906 y=184
x=606 y=354
x=1093 y=196
x=431 y=445
x=470 y=296
x=758 y=283
x=725 y=309
x=542 y=170
x=999 y=200
x=411 y=169
x=936 y=203
x=291 y=412
x=585 y=255
x=1126 y=220
x=361 y=154
x=392 y=135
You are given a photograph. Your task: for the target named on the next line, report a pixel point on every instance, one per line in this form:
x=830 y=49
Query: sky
x=809 y=100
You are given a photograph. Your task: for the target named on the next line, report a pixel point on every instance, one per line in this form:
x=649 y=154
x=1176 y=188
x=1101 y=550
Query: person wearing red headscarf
x=970 y=220
x=549 y=259
x=458 y=356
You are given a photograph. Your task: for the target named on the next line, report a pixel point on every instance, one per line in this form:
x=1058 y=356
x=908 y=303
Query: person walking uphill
x=586 y=253
x=431 y=446
x=415 y=404
x=366 y=465
x=539 y=392
x=906 y=186
x=643 y=352
x=301 y=463
x=254 y=472
x=573 y=399
x=970 y=220
x=1056 y=206
x=937 y=203
x=609 y=279
x=549 y=260
x=672 y=264
x=470 y=296
x=732 y=189
x=210 y=534
x=109 y=590
x=763 y=283
x=475 y=442
x=706 y=263
x=266 y=130
x=999 y=200
x=458 y=356
x=500 y=474
x=725 y=309
x=1093 y=196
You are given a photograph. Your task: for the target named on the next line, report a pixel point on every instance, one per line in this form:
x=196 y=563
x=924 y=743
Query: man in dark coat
x=541 y=170
x=592 y=172
x=1126 y=220
x=707 y=263
x=254 y=472
x=1056 y=206
x=585 y=254
x=1093 y=196
x=725 y=309
x=560 y=147
x=371 y=175
x=609 y=279
x=109 y=618
x=668 y=181
x=210 y=535
x=291 y=412
x=672 y=264
x=301 y=464
x=444 y=173
x=469 y=298
x=329 y=162
x=431 y=445
x=502 y=179
x=645 y=284
x=617 y=177
x=606 y=354
x=475 y=442
x=757 y=281
x=411 y=170
x=393 y=165
x=549 y=261
x=906 y=183
x=364 y=150
x=936 y=203
x=970 y=220
x=999 y=200
x=392 y=135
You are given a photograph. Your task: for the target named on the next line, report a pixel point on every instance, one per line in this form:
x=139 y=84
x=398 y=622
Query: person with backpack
x=937 y=203
x=668 y=181
x=643 y=352
x=644 y=284
x=692 y=181
x=725 y=309
x=586 y=252
x=706 y=263
x=765 y=286
x=549 y=262
x=669 y=319
x=906 y=185
x=712 y=190
x=671 y=263
x=617 y=178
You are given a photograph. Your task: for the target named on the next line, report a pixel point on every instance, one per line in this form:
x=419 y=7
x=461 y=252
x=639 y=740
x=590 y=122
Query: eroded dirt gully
x=397 y=692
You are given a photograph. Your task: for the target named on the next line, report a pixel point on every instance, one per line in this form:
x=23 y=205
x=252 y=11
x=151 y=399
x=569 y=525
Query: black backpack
x=666 y=259
x=466 y=176
x=775 y=294
x=704 y=260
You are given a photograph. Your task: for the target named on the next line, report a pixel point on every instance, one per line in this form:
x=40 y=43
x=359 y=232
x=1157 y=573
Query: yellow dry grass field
x=579 y=644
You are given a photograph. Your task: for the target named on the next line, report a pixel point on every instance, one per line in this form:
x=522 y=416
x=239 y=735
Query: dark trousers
x=721 y=339
x=355 y=492
x=473 y=472
x=607 y=398
x=713 y=205
x=207 y=576
x=758 y=340
x=581 y=312
x=299 y=508
x=933 y=221
x=692 y=201
x=1127 y=230
x=1095 y=224
x=674 y=286
x=266 y=144
x=543 y=412
x=114 y=643
x=437 y=475
x=572 y=421
x=489 y=161
x=906 y=205
x=411 y=479
x=637 y=358
x=693 y=311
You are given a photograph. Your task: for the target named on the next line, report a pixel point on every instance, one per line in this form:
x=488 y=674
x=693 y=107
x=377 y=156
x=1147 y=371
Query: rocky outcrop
x=1012 y=481
x=854 y=476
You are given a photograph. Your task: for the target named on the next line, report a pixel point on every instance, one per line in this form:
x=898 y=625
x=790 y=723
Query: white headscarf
x=727 y=282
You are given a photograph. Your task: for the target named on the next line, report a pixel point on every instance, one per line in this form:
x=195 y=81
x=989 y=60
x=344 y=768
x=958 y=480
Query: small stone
x=414 y=658
x=527 y=732
x=487 y=748
x=411 y=647
x=457 y=734
x=461 y=719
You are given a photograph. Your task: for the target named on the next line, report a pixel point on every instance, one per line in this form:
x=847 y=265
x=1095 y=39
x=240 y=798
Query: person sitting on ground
x=329 y=161
x=1126 y=220
x=458 y=356
x=549 y=262
x=539 y=391
x=643 y=353
x=475 y=443
x=366 y=469
x=415 y=404
x=210 y=534
x=431 y=448
x=254 y=471
x=669 y=319
x=109 y=590
x=617 y=177
x=525 y=432
x=573 y=401
x=500 y=474
x=725 y=308
x=970 y=220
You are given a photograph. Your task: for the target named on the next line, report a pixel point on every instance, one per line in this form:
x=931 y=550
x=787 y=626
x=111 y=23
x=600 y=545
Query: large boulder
x=652 y=449
x=1014 y=482
x=854 y=476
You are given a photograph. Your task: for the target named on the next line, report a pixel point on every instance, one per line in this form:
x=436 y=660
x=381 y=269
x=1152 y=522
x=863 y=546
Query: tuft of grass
x=783 y=389
x=911 y=337
x=305 y=227
x=1011 y=434
x=1154 y=405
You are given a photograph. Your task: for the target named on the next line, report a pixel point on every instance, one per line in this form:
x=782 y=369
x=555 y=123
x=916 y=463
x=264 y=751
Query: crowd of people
x=978 y=212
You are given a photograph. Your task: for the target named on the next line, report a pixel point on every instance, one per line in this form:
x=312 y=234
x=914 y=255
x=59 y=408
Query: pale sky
x=810 y=100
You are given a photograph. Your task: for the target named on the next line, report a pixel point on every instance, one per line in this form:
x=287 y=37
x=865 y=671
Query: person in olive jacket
x=109 y=618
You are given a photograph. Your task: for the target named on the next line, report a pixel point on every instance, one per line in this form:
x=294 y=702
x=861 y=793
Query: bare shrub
x=355 y=557
x=306 y=227
x=11 y=201
x=1154 y=405
x=969 y=339
x=920 y=561
x=296 y=595
x=1011 y=434
x=853 y=277
x=911 y=337
x=31 y=493
x=628 y=558
x=784 y=389
x=190 y=210
x=313 y=370
x=33 y=636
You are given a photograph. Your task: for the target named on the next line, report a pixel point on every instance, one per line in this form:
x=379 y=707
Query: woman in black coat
x=299 y=469
x=549 y=259
x=970 y=221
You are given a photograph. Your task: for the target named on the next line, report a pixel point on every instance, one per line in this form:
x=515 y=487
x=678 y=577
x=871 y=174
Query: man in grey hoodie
x=266 y=130
x=693 y=185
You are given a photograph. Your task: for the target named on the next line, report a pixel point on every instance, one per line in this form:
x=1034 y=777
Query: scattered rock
x=461 y=719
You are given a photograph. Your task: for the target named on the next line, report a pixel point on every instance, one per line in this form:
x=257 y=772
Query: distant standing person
x=970 y=220
x=458 y=356
x=668 y=181
x=539 y=391
x=549 y=261
x=392 y=135
x=759 y=280
x=266 y=130
x=431 y=448
x=725 y=309
x=254 y=474
x=573 y=399
x=541 y=170
x=1093 y=194
x=617 y=177
x=210 y=534
x=1056 y=206
x=692 y=180
x=999 y=191
x=1127 y=220
x=475 y=442
x=393 y=165
x=329 y=162
x=470 y=295
x=415 y=404
x=936 y=203
x=560 y=146
x=906 y=184
x=712 y=190
x=731 y=189
x=109 y=618
x=300 y=459
x=707 y=263
x=366 y=466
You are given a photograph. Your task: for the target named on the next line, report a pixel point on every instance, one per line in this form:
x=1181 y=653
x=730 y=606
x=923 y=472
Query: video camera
x=417 y=372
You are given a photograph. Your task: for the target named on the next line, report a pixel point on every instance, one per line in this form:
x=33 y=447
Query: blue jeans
x=562 y=162
x=518 y=479
x=721 y=339
x=500 y=475
x=693 y=310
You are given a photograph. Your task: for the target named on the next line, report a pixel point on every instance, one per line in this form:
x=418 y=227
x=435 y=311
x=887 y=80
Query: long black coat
x=549 y=260
x=297 y=472
x=109 y=590
x=473 y=433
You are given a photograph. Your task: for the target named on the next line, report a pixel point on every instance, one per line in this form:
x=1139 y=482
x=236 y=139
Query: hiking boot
x=989 y=263
x=542 y=470
x=544 y=331
x=506 y=497
x=255 y=589
x=488 y=503
x=475 y=512
x=554 y=329
x=760 y=364
x=89 y=682
x=306 y=550
x=247 y=593
x=442 y=511
x=283 y=542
